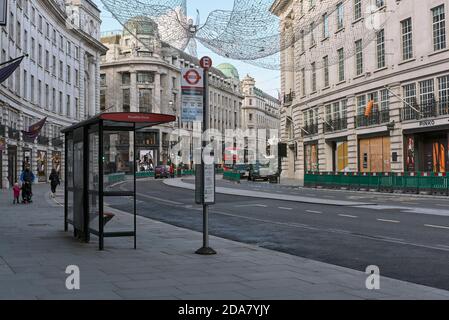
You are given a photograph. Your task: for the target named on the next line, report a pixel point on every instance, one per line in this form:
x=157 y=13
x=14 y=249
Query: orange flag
x=369 y=108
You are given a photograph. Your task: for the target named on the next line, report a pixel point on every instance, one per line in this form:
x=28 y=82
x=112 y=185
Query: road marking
x=251 y=205
x=312 y=211
x=391 y=238
x=348 y=216
x=442 y=205
x=159 y=199
x=390 y=221
x=284 y=208
x=436 y=227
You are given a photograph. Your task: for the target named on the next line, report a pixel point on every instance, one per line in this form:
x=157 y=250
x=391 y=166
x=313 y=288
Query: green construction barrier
x=144 y=174
x=231 y=176
x=115 y=177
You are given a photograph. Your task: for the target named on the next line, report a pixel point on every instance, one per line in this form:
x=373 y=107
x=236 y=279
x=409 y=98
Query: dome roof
x=141 y=25
x=229 y=71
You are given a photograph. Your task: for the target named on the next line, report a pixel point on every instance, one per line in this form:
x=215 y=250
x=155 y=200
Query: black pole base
x=205 y=251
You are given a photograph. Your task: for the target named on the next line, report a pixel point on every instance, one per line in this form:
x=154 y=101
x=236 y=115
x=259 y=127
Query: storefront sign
x=192 y=87
x=427 y=123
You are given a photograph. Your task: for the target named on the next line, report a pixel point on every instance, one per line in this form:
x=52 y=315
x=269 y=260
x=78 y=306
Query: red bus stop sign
x=206 y=63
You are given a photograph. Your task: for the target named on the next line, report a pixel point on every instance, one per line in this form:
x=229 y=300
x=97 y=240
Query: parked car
x=262 y=171
x=162 y=172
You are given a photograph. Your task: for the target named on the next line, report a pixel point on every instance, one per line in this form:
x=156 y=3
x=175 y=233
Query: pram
x=27 y=193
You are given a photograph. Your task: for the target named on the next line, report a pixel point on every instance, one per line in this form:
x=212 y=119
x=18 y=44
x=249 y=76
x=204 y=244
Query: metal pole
x=135 y=186
x=205 y=250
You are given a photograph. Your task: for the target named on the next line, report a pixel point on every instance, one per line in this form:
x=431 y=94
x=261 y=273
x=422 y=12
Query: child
x=16 y=189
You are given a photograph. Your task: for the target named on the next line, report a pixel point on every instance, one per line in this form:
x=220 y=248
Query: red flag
x=35 y=129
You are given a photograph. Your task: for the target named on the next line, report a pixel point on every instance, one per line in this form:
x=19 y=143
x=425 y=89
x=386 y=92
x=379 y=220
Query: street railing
x=405 y=182
x=335 y=125
x=376 y=118
x=429 y=110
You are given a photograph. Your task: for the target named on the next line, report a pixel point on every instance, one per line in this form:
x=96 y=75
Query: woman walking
x=54 y=182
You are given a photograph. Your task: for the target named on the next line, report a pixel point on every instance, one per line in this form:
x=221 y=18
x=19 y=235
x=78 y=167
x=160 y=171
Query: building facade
x=376 y=103
x=140 y=73
x=58 y=79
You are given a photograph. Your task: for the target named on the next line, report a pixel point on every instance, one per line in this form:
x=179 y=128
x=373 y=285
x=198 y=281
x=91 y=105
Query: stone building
x=376 y=102
x=59 y=79
x=140 y=73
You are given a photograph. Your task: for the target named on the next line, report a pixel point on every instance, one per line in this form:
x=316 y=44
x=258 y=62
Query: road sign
x=3 y=12
x=206 y=63
x=192 y=94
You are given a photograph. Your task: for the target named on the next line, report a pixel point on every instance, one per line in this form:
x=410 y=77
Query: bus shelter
x=100 y=168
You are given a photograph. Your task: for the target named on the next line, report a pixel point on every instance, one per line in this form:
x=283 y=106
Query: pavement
x=34 y=254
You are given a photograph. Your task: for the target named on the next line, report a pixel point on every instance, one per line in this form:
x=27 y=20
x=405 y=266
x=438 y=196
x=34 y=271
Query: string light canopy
x=250 y=32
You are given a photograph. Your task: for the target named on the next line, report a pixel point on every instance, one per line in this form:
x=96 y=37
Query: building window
x=313 y=79
x=303 y=78
x=380 y=49
x=426 y=93
x=69 y=75
x=61 y=70
x=77 y=78
x=145 y=100
x=407 y=39
x=439 y=28
x=68 y=110
x=145 y=77
x=341 y=65
x=409 y=99
x=312 y=36
x=103 y=80
x=126 y=78
x=126 y=100
x=102 y=100
x=357 y=9
x=325 y=26
x=32 y=98
x=326 y=71
x=358 y=57
x=361 y=105
x=443 y=93
x=340 y=16
x=303 y=45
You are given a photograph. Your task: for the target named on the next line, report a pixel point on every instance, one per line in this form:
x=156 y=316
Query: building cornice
x=278 y=6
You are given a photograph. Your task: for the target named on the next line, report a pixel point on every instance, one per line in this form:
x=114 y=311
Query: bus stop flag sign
x=192 y=88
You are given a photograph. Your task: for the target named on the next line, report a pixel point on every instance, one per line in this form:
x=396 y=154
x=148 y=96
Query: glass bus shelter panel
x=69 y=173
x=118 y=216
x=78 y=185
x=118 y=161
x=94 y=180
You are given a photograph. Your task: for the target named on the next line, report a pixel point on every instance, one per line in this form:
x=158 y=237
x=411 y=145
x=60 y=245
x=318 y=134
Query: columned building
x=59 y=79
x=260 y=111
x=140 y=73
x=370 y=101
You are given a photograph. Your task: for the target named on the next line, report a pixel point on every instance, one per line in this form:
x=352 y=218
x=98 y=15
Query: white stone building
x=142 y=74
x=59 y=79
x=377 y=104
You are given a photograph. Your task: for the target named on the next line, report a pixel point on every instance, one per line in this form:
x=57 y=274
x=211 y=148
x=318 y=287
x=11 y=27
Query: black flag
x=11 y=66
x=34 y=130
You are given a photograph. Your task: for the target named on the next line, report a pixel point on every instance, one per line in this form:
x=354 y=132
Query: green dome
x=141 y=25
x=229 y=71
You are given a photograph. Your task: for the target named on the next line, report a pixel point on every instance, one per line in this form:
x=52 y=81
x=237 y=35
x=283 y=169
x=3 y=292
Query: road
x=405 y=245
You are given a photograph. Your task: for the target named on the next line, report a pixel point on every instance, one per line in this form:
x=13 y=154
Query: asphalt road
x=408 y=246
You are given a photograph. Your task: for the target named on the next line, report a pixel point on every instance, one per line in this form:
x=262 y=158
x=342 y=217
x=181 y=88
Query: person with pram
x=27 y=178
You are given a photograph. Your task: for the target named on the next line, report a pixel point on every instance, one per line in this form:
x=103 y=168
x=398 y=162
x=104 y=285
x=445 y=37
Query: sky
x=267 y=80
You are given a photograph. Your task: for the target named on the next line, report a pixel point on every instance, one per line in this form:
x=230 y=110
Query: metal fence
x=408 y=182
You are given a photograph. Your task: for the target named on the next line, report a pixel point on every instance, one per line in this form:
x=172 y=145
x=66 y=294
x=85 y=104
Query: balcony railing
x=13 y=133
x=376 y=118
x=288 y=98
x=336 y=125
x=57 y=142
x=310 y=130
x=430 y=110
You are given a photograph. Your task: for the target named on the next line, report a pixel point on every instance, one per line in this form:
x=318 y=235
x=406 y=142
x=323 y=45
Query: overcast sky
x=267 y=80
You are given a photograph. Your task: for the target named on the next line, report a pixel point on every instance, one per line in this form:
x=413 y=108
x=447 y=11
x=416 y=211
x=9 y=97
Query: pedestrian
x=27 y=178
x=54 y=182
x=16 y=190
x=172 y=170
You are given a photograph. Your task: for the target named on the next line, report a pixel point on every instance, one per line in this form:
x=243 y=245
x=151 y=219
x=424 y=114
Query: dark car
x=259 y=171
x=162 y=172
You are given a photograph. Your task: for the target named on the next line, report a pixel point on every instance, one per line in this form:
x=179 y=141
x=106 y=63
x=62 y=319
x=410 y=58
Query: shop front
x=427 y=151
x=12 y=165
x=147 y=145
x=42 y=166
x=339 y=154
x=375 y=154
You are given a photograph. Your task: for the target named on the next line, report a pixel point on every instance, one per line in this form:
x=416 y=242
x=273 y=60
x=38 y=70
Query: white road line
x=390 y=221
x=436 y=227
x=251 y=205
x=284 y=208
x=159 y=199
x=311 y=211
x=442 y=205
x=348 y=216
